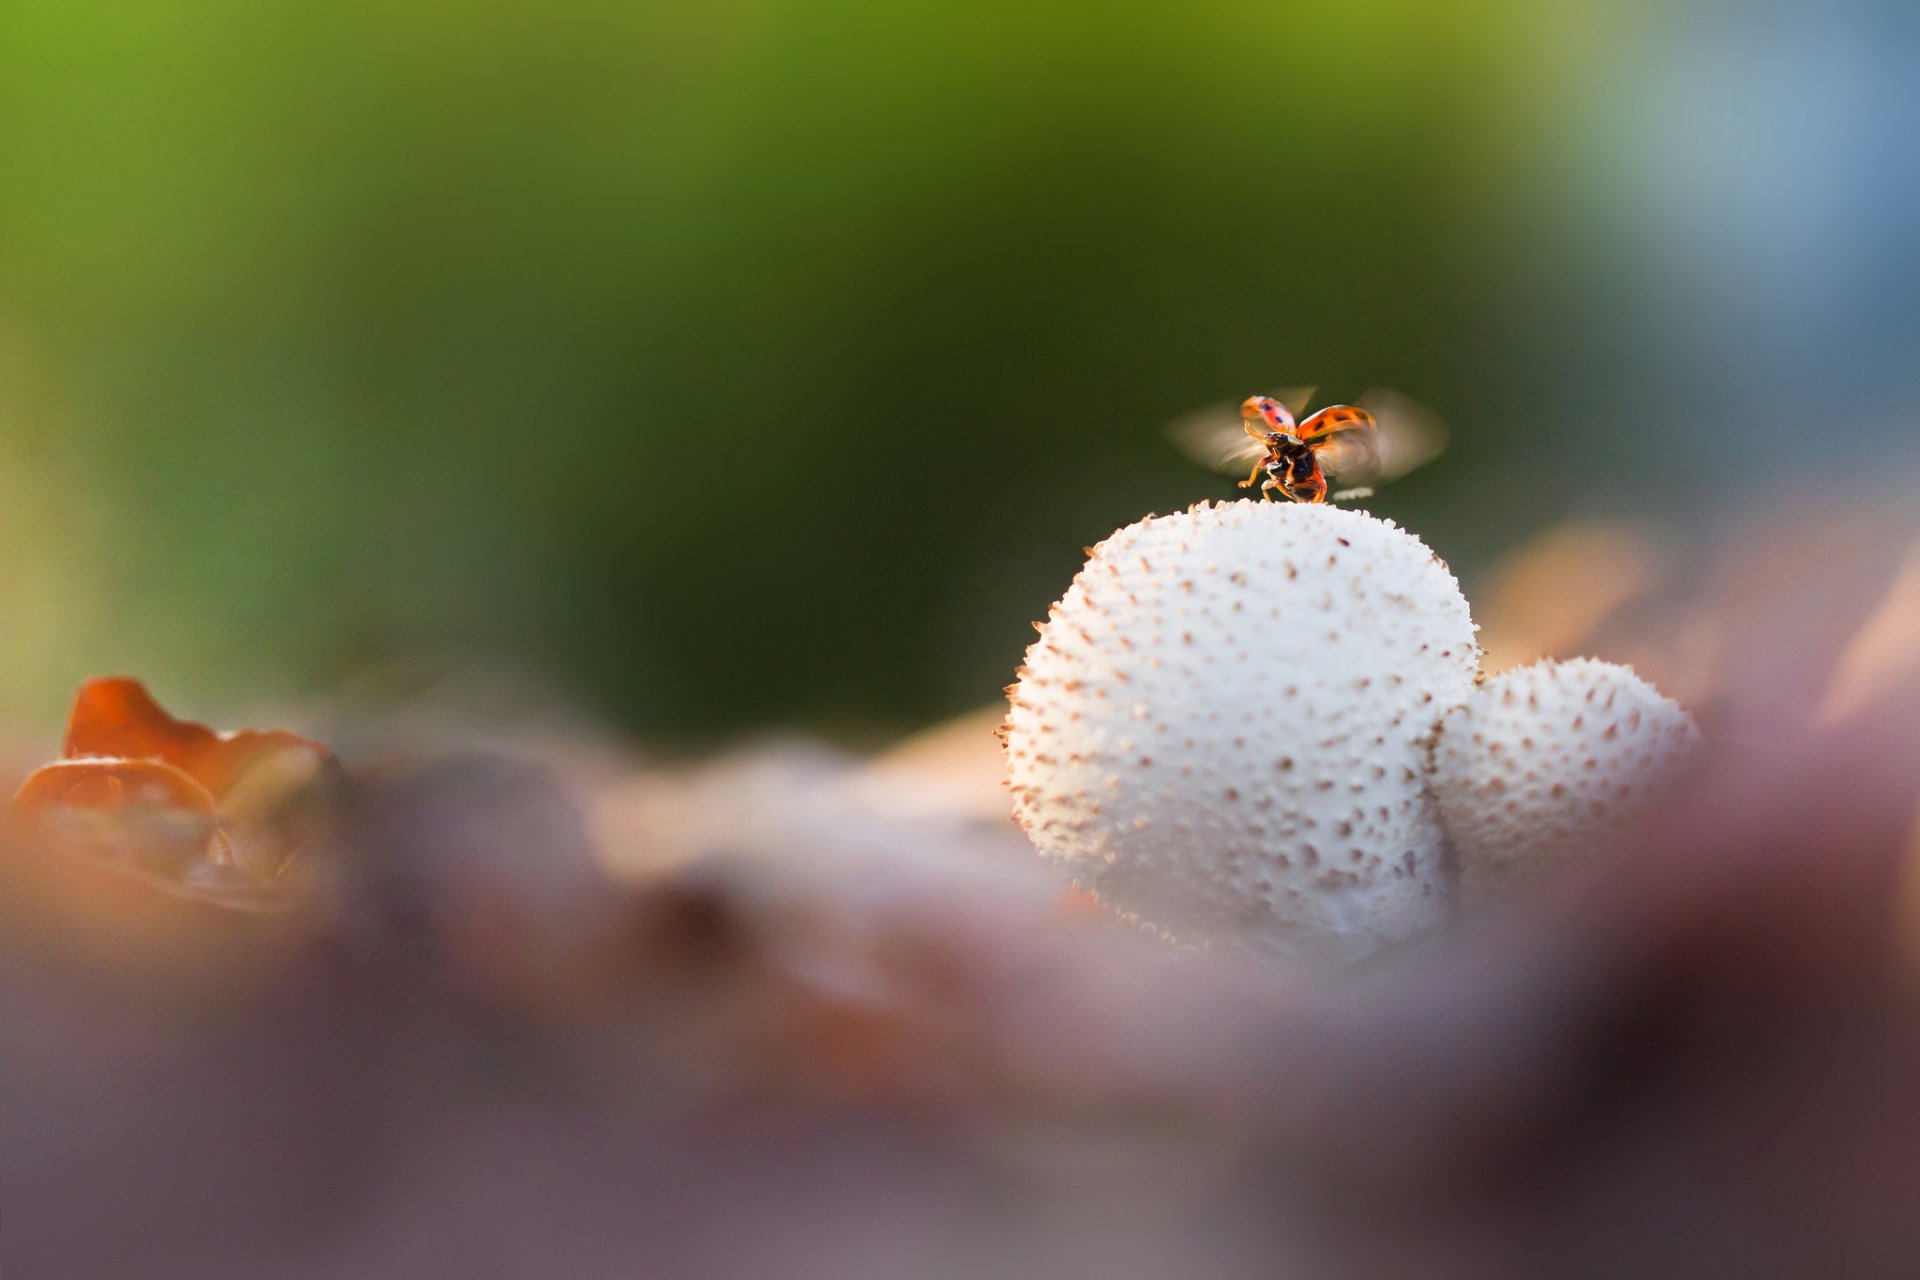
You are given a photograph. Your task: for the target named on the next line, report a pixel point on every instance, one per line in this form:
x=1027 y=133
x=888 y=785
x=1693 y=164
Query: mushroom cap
x=1223 y=727
x=1544 y=762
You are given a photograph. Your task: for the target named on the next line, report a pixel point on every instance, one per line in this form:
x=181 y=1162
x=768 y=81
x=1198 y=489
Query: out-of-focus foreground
x=544 y=1008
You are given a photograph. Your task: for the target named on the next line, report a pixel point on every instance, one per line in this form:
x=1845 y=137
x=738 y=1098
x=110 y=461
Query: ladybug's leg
x=1253 y=477
x=1266 y=490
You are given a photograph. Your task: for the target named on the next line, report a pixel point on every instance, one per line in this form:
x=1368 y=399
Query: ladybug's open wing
x=1216 y=438
x=1351 y=460
x=1403 y=434
x=1296 y=399
x=1335 y=417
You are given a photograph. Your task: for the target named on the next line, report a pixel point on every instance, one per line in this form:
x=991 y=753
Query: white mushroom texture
x=1543 y=762
x=1223 y=728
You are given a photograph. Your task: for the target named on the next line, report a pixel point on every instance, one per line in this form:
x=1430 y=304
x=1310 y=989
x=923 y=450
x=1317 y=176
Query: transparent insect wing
x=1408 y=434
x=1352 y=458
x=1295 y=398
x=1216 y=438
x=1357 y=454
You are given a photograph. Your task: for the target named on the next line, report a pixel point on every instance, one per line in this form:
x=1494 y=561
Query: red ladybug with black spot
x=1359 y=446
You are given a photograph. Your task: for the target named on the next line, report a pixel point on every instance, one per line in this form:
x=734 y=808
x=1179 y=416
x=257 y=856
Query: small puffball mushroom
x=1222 y=730
x=1543 y=762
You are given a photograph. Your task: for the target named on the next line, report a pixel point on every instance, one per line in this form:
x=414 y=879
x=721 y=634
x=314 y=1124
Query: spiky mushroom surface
x=1223 y=727
x=1544 y=762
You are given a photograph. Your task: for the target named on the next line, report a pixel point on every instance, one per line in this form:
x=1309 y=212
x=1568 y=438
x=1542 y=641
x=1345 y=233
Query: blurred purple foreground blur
x=542 y=1012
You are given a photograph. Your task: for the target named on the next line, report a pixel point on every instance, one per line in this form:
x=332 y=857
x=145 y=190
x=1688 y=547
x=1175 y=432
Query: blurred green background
x=758 y=361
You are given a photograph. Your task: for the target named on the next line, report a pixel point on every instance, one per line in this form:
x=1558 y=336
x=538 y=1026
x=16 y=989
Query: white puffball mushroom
x=1223 y=728
x=1544 y=762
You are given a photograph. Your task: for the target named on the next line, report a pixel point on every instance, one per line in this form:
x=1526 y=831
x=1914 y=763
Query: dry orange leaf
x=134 y=775
x=116 y=717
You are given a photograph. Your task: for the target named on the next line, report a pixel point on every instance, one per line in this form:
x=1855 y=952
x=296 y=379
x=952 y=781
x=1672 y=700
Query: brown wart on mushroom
x=1223 y=727
x=1543 y=763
